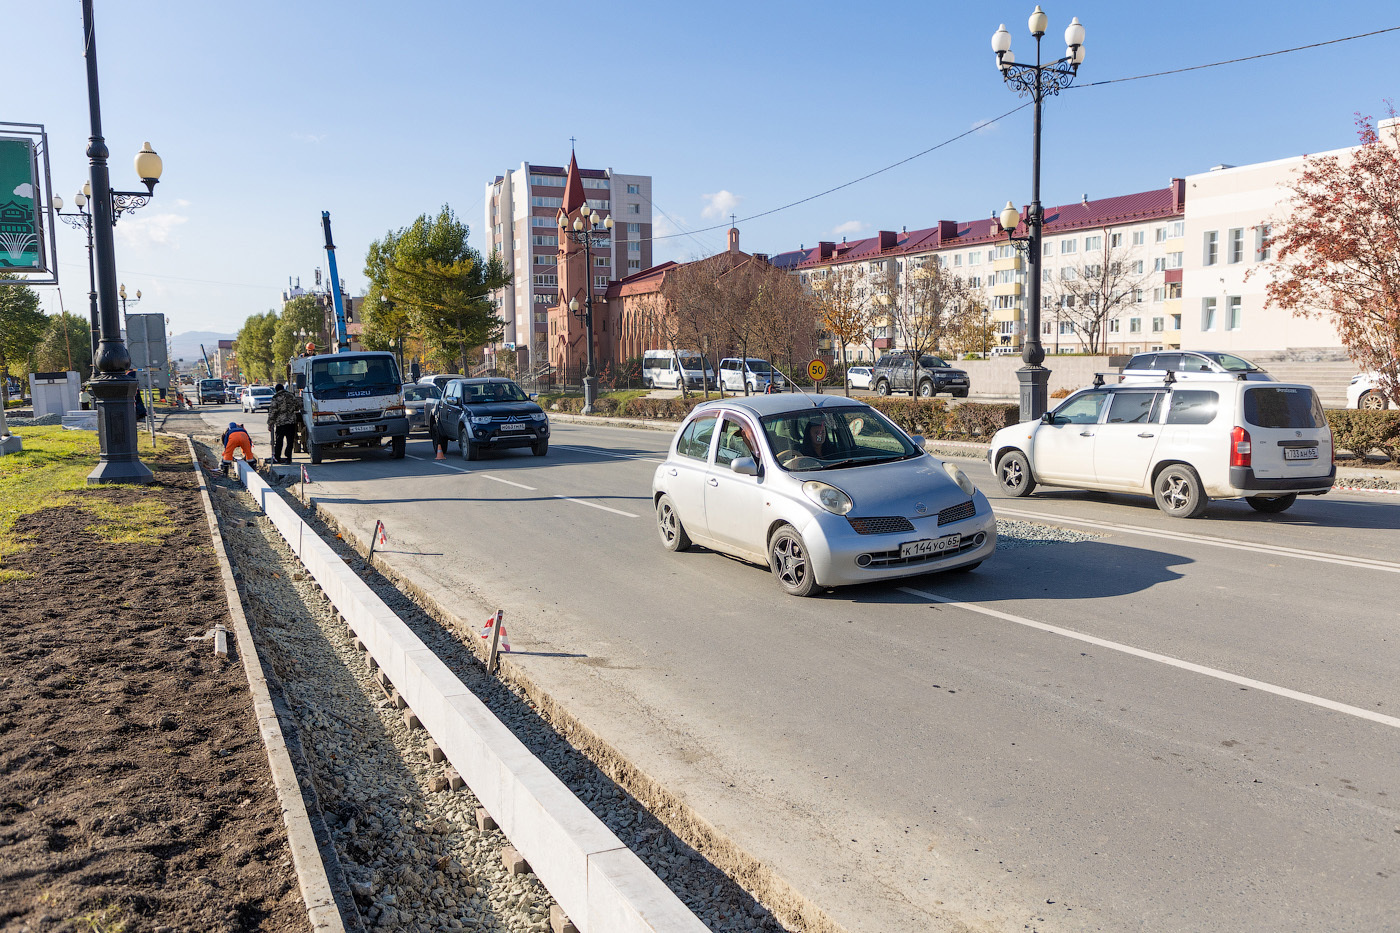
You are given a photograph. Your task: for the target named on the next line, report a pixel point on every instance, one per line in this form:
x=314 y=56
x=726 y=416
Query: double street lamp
x=589 y=233
x=82 y=220
x=112 y=388
x=1036 y=81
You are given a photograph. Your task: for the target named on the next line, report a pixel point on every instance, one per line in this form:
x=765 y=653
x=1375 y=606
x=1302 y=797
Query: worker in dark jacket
x=283 y=416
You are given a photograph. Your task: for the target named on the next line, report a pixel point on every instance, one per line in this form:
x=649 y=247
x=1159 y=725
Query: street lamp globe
x=573 y=305
x=1038 y=22
x=1074 y=33
x=1001 y=40
x=578 y=222
x=1010 y=217
x=87 y=189
x=57 y=203
x=148 y=165
x=80 y=200
x=608 y=223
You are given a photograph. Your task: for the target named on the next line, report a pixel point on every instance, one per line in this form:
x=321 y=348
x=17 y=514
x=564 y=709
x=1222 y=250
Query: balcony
x=1006 y=314
x=1007 y=262
x=1006 y=288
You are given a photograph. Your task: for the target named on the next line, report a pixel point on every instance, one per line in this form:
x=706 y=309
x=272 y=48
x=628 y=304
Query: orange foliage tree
x=1338 y=249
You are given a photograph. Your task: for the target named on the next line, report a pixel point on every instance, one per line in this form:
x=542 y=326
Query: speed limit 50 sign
x=817 y=370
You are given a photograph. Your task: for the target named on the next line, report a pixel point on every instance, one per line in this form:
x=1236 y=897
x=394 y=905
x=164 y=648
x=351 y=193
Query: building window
x=634 y=247
x=1160 y=234
x=1176 y=322
x=1134 y=325
x=1174 y=260
x=634 y=189
x=542 y=240
x=1236 y=245
x=1174 y=290
x=634 y=228
x=546 y=202
x=1113 y=326
x=1068 y=246
x=601 y=183
x=1093 y=242
x=1093 y=271
x=553 y=181
x=1049 y=249
x=636 y=208
x=601 y=261
x=1045 y=275
x=1115 y=240
x=1005 y=251
x=1207 y=314
x=596 y=204
x=1139 y=237
x=1177 y=229
x=1136 y=267
x=1068 y=274
x=1158 y=324
x=633 y=265
x=1066 y=328
x=1261 y=242
x=957 y=259
x=1211 y=249
x=1159 y=295
x=1004 y=302
x=545 y=278
x=537 y=222
x=600 y=281
x=544 y=259
x=541 y=317
x=1233 y=312
x=544 y=299
x=1137 y=296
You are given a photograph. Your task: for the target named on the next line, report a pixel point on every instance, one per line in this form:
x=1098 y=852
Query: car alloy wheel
x=926 y=390
x=882 y=388
x=1373 y=401
x=787 y=556
x=668 y=525
x=1178 y=492
x=1014 y=474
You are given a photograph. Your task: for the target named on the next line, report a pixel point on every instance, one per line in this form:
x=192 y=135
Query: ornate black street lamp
x=1036 y=81
x=83 y=221
x=590 y=233
x=113 y=390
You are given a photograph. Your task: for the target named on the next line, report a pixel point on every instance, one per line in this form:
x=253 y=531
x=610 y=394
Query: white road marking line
x=1226 y=676
x=594 y=505
x=446 y=466
x=603 y=453
x=1320 y=556
x=507 y=482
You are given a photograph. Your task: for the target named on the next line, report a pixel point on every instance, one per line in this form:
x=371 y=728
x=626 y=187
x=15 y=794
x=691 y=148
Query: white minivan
x=756 y=374
x=667 y=369
x=1182 y=443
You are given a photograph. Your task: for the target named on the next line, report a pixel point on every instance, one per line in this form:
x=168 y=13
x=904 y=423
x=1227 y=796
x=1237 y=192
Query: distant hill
x=186 y=346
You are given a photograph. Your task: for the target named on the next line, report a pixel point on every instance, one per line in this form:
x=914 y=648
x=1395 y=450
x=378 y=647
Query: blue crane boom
x=342 y=337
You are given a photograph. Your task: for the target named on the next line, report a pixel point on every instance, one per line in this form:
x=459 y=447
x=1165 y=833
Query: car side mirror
x=918 y=440
x=744 y=466
x=1048 y=418
x=301 y=381
x=534 y=395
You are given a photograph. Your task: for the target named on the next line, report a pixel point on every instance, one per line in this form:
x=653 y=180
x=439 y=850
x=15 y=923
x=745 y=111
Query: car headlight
x=394 y=411
x=960 y=478
x=540 y=416
x=827 y=496
x=326 y=417
x=481 y=419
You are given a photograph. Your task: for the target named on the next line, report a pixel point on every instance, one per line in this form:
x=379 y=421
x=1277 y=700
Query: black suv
x=490 y=412
x=895 y=373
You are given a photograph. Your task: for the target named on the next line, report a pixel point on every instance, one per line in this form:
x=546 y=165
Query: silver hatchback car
x=823 y=489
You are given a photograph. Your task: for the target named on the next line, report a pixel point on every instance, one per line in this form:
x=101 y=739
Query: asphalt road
x=1170 y=726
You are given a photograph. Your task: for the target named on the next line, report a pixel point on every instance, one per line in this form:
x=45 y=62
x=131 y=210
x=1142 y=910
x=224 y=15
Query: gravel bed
x=412 y=855
x=1014 y=534
x=39 y=422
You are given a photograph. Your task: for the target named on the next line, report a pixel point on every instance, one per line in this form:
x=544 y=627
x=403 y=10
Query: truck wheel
x=400 y=446
x=314 y=451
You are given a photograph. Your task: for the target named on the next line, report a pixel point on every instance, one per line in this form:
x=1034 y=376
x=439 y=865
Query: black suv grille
x=957 y=513
x=880 y=526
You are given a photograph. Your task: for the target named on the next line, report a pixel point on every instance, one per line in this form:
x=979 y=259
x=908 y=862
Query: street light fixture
x=1036 y=81
x=112 y=388
x=590 y=232
x=82 y=219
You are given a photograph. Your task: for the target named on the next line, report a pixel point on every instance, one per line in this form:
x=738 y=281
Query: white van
x=757 y=374
x=665 y=369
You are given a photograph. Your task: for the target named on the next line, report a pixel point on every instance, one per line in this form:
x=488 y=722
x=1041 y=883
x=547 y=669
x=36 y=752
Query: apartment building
x=521 y=213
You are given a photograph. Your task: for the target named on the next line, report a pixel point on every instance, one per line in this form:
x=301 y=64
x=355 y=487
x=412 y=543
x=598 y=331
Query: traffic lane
x=764 y=604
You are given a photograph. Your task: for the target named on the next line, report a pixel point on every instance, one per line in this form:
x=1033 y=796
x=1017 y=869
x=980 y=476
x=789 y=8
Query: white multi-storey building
x=521 y=216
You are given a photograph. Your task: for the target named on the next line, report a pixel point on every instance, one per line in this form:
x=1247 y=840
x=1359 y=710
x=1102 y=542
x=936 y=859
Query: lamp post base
x=590 y=394
x=1035 y=391
x=116 y=431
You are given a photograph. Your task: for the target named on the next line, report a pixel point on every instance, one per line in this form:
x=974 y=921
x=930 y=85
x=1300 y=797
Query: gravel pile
x=1014 y=534
x=43 y=421
x=410 y=853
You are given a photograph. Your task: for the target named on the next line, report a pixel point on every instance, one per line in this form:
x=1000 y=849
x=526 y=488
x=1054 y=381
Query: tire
x=926 y=390
x=1178 y=492
x=1372 y=401
x=313 y=450
x=1272 y=504
x=400 y=446
x=1014 y=474
x=882 y=387
x=540 y=449
x=669 y=527
x=469 y=450
x=787 y=557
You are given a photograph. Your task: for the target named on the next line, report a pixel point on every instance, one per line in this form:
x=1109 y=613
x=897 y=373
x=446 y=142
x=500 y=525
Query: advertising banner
x=21 y=241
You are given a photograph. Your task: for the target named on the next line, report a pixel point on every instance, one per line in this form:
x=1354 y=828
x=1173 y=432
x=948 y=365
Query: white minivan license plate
x=361 y=429
x=1300 y=453
x=929 y=546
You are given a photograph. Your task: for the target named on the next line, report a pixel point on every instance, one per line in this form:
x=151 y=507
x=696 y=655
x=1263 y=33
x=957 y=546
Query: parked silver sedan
x=418 y=400
x=822 y=489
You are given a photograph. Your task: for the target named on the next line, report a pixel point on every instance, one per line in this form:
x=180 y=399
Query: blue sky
x=267 y=112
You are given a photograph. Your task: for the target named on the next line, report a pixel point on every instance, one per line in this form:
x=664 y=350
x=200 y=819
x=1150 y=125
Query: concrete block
x=410 y=720
x=559 y=922
x=359 y=645
x=515 y=862
x=484 y=823
x=399 y=701
x=434 y=753
x=439 y=783
x=370 y=662
x=221 y=641
x=623 y=894
x=454 y=780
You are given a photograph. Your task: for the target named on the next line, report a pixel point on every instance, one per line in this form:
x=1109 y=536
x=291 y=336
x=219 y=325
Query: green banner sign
x=19 y=227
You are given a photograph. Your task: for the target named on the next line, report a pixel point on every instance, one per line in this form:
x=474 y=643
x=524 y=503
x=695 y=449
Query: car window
x=1142 y=361
x=1233 y=364
x=1283 y=407
x=734 y=442
x=1081 y=409
x=1133 y=407
x=1169 y=361
x=695 y=439
x=1192 y=406
x=932 y=362
x=1191 y=363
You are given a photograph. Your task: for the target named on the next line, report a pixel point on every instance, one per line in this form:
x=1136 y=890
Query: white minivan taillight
x=1240 y=449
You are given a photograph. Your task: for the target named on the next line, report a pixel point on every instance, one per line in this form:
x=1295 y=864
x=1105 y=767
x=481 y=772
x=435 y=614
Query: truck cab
x=350 y=400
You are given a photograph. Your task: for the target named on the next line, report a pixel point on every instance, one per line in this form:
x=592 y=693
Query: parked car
x=440 y=379
x=1183 y=443
x=664 y=369
x=419 y=398
x=1364 y=392
x=256 y=398
x=858 y=376
x=822 y=489
x=1191 y=364
x=895 y=373
x=490 y=413
x=756 y=374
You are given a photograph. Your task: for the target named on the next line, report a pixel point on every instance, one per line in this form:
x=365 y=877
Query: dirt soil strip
x=316 y=890
x=134 y=788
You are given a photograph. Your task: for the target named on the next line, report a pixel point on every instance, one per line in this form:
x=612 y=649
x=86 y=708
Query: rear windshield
x=212 y=383
x=1283 y=407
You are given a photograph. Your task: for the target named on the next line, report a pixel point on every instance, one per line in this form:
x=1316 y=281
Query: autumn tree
x=22 y=323
x=254 y=347
x=1337 y=249
x=789 y=320
x=1087 y=297
x=303 y=321
x=925 y=307
x=973 y=331
x=64 y=345
x=844 y=300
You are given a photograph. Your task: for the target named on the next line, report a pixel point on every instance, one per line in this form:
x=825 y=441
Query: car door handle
x=673 y=471
x=713 y=481
x=1086 y=433
x=1147 y=434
